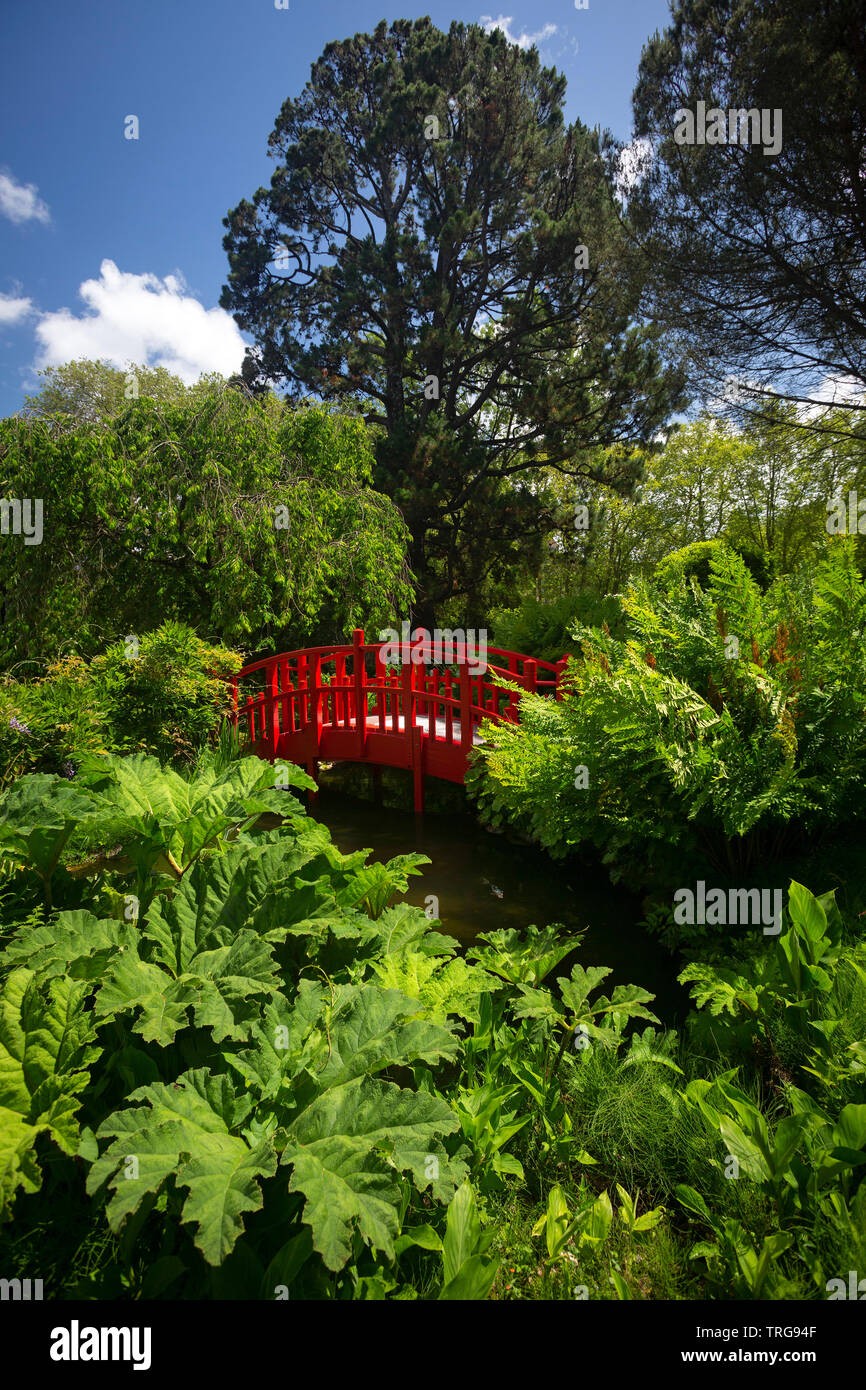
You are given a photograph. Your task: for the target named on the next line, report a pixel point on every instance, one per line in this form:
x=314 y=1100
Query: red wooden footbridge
x=346 y=703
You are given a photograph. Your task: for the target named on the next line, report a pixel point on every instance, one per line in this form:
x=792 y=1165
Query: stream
x=484 y=881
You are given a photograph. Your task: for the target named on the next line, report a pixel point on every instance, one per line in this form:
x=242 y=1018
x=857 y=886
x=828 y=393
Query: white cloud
x=145 y=320
x=635 y=162
x=12 y=310
x=524 y=40
x=838 y=390
x=20 y=202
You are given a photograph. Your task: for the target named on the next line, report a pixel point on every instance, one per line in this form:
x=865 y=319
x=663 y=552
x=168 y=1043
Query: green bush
x=544 y=630
x=726 y=727
x=46 y=725
x=163 y=693
x=694 y=561
x=224 y=1045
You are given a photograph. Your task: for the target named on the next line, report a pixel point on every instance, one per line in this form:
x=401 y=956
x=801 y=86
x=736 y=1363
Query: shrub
x=545 y=630
x=163 y=694
x=728 y=725
x=46 y=725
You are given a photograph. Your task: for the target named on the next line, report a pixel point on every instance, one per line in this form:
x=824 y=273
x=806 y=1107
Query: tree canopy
x=757 y=261
x=254 y=522
x=437 y=244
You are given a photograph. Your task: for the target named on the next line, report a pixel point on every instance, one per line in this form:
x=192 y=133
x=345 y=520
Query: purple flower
x=19 y=728
x=68 y=770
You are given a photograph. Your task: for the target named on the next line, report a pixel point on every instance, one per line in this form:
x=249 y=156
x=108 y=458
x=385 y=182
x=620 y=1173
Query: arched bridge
x=346 y=703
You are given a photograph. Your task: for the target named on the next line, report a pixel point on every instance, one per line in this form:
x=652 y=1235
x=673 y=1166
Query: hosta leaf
x=462 y=1231
x=473 y=1281
x=184 y=1130
x=747 y=1153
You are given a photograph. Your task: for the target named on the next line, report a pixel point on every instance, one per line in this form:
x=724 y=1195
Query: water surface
x=484 y=881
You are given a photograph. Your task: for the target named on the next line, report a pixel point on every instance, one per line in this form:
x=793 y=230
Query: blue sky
x=112 y=247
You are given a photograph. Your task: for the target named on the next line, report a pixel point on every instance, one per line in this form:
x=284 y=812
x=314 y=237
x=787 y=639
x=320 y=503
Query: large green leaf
x=46 y=1038
x=75 y=944
x=37 y=816
x=154 y=806
x=344 y=1149
x=522 y=957
x=185 y=1131
x=217 y=984
x=374 y=1032
x=441 y=989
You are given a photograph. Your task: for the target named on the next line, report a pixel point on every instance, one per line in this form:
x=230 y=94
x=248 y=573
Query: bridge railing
x=306 y=703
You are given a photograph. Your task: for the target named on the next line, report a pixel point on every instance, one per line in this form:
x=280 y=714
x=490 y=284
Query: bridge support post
x=465 y=710
x=314 y=675
x=360 y=689
x=418 y=770
x=272 y=710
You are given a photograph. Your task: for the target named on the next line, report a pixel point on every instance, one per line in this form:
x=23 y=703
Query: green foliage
x=250 y=520
x=163 y=693
x=467 y=279
x=46 y=1049
x=230 y=1004
x=544 y=630
x=801 y=1004
x=751 y=300
x=693 y=561
x=89 y=392
x=808 y=1160
x=264 y=1079
x=727 y=723
x=187 y=1040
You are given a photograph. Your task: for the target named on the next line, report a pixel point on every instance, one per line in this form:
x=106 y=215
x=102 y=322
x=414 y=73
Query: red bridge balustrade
x=343 y=703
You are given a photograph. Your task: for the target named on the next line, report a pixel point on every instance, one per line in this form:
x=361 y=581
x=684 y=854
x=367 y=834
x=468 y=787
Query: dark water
x=484 y=881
